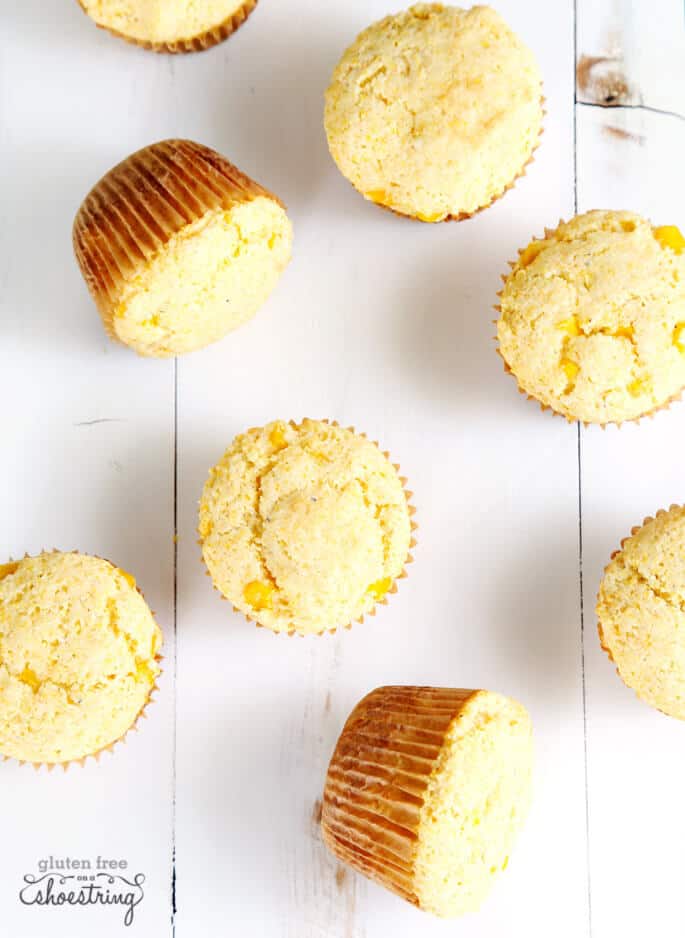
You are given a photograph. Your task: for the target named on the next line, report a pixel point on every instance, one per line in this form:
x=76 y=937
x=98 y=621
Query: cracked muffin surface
x=78 y=656
x=592 y=317
x=433 y=112
x=304 y=527
x=641 y=611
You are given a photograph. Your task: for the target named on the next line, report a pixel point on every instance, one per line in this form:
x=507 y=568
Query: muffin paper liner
x=377 y=778
x=543 y=407
x=463 y=216
x=134 y=210
x=392 y=589
x=205 y=40
x=120 y=740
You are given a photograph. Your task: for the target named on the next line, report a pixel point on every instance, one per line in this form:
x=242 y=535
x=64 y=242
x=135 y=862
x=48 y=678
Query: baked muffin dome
x=170 y=25
x=178 y=248
x=435 y=111
x=426 y=791
x=78 y=656
x=592 y=319
x=304 y=527
x=641 y=611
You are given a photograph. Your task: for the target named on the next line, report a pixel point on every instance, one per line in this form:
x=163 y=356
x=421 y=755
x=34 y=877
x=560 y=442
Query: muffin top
x=208 y=279
x=433 y=112
x=78 y=649
x=474 y=805
x=592 y=319
x=159 y=22
x=641 y=611
x=304 y=527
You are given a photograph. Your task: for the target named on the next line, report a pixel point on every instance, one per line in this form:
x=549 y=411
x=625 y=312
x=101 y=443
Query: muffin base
x=649 y=414
x=142 y=713
x=201 y=43
x=393 y=587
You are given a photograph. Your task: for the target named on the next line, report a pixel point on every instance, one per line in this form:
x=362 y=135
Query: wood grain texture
x=630 y=53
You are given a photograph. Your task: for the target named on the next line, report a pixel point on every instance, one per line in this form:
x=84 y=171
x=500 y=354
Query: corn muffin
x=592 y=318
x=78 y=656
x=304 y=527
x=178 y=247
x=426 y=791
x=435 y=111
x=170 y=25
x=641 y=611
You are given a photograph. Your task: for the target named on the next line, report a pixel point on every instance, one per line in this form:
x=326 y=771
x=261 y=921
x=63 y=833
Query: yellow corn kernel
x=625 y=332
x=129 y=579
x=671 y=237
x=152 y=321
x=259 y=595
x=438 y=216
x=30 y=677
x=569 y=326
x=678 y=341
x=379 y=196
x=570 y=369
x=636 y=387
x=318 y=455
x=277 y=437
x=380 y=587
x=528 y=255
x=144 y=672
x=7 y=569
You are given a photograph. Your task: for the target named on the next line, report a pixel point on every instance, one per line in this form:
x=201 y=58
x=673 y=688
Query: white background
x=382 y=324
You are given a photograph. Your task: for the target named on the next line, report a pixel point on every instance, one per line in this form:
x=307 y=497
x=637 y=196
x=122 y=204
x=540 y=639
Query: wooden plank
x=385 y=325
x=87 y=451
x=629 y=158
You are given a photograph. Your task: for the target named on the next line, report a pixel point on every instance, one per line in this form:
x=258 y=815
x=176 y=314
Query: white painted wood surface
x=378 y=323
x=633 y=157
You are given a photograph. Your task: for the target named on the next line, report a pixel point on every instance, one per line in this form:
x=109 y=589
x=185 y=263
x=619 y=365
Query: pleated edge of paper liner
x=142 y=713
x=648 y=415
x=633 y=531
x=200 y=43
x=413 y=527
x=464 y=216
x=351 y=854
x=102 y=272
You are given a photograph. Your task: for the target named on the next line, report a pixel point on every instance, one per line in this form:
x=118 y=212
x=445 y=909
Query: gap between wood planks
x=175 y=653
x=577 y=73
